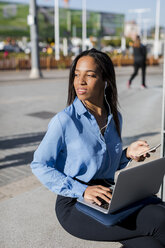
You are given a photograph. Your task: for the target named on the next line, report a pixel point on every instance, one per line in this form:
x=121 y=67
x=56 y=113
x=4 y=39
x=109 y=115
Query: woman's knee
x=152 y=217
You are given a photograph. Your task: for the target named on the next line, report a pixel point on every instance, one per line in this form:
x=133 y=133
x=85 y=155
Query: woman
x=83 y=146
x=139 y=52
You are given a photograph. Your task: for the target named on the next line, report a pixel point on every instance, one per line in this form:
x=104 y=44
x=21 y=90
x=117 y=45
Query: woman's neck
x=100 y=113
x=96 y=109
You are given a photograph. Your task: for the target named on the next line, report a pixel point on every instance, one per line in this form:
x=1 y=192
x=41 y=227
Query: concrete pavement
x=26 y=106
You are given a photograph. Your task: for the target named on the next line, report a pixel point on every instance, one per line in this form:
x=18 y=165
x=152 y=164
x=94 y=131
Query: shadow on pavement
x=24 y=158
x=21 y=157
x=33 y=139
x=21 y=140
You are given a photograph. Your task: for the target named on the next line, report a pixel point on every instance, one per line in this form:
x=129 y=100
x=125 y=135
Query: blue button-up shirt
x=74 y=147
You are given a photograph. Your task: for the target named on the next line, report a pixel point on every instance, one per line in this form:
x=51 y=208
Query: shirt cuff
x=78 y=189
x=124 y=160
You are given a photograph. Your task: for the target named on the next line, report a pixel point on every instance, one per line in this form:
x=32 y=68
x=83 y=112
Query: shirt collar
x=81 y=109
x=79 y=106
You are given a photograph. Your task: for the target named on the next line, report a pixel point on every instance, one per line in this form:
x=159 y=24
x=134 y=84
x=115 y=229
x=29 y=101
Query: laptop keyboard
x=104 y=204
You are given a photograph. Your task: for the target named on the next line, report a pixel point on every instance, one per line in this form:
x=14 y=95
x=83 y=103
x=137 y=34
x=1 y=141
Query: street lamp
x=32 y=22
x=139 y=16
x=163 y=127
x=84 y=27
x=56 y=29
x=156 y=42
x=145 y=21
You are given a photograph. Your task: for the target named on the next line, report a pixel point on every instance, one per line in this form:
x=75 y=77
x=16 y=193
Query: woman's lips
x=81 y=91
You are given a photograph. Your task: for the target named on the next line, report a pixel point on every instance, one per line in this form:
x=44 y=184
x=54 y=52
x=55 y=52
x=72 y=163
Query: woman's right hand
x=93 y=192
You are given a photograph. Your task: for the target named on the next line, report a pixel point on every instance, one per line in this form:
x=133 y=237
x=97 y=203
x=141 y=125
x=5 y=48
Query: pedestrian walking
x=82 y=146
x=139 y=53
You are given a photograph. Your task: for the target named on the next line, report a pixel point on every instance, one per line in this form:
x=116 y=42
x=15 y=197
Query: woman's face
x=88 y=82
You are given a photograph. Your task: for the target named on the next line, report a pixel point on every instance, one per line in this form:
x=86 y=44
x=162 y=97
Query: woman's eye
x=89 y=75
x=76 y=75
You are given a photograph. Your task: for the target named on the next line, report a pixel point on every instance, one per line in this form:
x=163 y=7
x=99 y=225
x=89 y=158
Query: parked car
x=10 y=48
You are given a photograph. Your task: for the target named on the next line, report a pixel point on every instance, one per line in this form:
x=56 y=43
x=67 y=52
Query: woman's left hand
x=136 y=148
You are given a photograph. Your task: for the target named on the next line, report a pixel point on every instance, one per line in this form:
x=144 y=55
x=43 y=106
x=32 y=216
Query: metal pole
x=32 y=21
x=145 y=33
x=56 y=29
x=84 y=27
x=163 y=128
x=145 y=22
x=139 y=15
x=156 y=42
x=139 y=22
x=65 y=47
x=123 y=43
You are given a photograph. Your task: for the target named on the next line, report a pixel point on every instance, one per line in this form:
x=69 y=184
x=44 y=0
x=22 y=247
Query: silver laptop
x=133 y=184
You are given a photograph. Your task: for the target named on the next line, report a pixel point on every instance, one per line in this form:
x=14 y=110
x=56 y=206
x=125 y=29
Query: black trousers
x=137 y=66
x=143 y=229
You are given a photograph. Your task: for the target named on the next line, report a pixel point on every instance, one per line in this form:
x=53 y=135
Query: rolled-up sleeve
x=124 y=160
x=44 y=163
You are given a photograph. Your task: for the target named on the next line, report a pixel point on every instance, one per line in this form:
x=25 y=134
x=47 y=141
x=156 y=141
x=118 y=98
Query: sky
x=117 y=6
